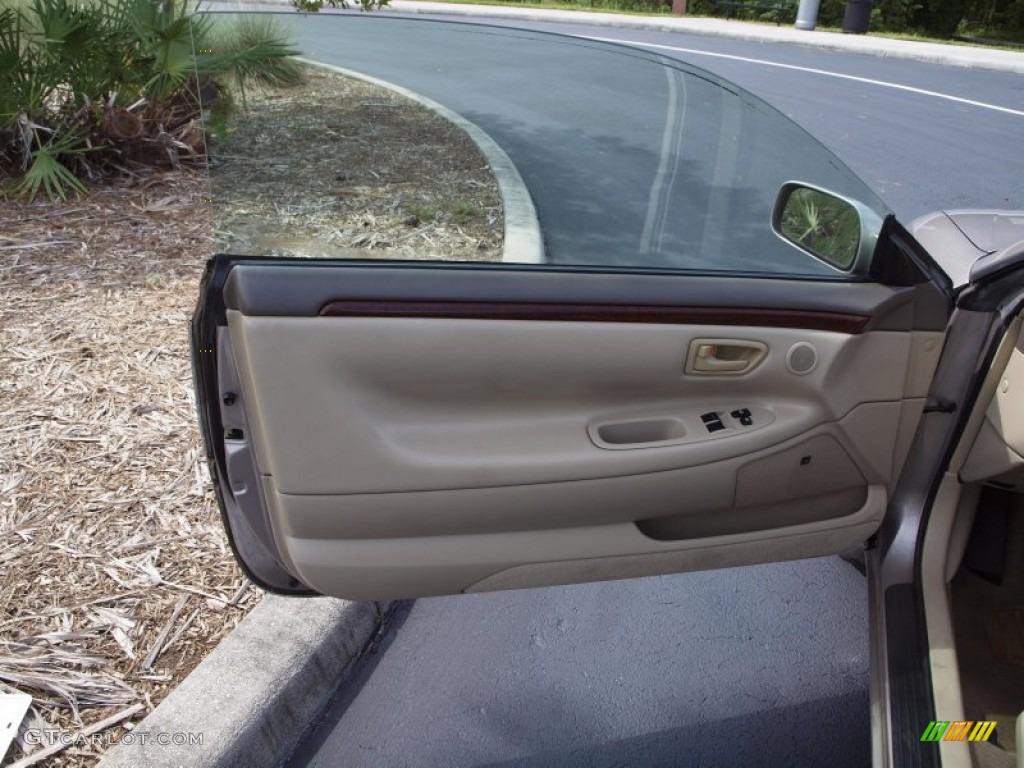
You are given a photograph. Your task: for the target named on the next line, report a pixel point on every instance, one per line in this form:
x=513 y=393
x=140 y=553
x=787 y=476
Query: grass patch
x=464 y=211
x=423 y=212
x=458 y=211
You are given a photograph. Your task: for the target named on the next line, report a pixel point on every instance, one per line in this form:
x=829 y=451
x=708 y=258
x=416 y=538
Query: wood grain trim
x=601 y=313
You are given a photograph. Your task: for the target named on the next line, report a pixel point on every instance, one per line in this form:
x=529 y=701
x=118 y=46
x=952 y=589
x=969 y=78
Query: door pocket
x=810 y=482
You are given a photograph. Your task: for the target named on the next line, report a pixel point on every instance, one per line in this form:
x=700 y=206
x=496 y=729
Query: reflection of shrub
x=712 y=8
x=113 y=86
x=633 y=5
x=314 y=6
x=643 y=6
x=831 y=12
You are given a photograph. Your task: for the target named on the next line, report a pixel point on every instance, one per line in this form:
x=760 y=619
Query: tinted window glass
x=630 y=159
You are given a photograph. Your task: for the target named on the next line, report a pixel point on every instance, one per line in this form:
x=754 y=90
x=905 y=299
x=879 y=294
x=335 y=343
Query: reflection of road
x=579 y=123
x=908 y=128
x=920 y=152
x=616 y=178
x=482 y=78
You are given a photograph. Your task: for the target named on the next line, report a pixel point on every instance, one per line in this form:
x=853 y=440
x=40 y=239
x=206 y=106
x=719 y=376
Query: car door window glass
x=584 y=153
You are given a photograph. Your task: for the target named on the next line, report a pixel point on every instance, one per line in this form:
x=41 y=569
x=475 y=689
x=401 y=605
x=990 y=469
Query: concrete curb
x=523 y=241
x=255 y=695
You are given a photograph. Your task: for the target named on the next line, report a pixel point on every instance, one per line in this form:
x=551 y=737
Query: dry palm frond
x=63 y=676
x=103 y=492
x=116 y=577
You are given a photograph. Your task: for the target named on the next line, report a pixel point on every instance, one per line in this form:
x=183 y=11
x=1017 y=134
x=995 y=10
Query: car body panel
x=971 y=244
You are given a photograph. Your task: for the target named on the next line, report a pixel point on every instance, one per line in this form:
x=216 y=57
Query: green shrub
x=646 y=6
x=314 y=6
x=88 y=90
x=939 y=18
x=897 y=15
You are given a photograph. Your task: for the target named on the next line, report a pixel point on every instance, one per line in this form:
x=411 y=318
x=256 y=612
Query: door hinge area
x=938 y=405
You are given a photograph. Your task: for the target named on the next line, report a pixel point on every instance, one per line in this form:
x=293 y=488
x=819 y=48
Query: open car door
x=383 y=430
x=715 y=396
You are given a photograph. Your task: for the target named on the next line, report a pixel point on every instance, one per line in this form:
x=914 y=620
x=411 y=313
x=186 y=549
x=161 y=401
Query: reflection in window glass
x=615 y=156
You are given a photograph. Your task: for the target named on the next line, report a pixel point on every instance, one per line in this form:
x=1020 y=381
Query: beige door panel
x=410 y=457
x=747 y=509
x=925 y=350
x=813 y=467
x=364 y=406
x=436 y=565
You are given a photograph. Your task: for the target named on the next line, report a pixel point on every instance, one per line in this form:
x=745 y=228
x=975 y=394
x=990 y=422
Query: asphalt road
x=919 y=152
x=764 y=665
x=624 y=153
x=951 y=154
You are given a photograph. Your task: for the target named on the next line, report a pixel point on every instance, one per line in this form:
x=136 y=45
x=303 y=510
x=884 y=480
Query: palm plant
x=105 y=87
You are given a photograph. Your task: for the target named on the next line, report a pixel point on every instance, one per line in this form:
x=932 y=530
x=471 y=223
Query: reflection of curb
x=252 y=699
x=523 y=241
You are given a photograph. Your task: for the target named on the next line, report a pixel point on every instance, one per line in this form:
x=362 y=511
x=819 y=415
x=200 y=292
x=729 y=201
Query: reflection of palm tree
x=826 y=226
x=809 y=214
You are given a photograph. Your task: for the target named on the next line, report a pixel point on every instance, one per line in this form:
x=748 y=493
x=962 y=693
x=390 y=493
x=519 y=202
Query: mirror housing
x=828 y=227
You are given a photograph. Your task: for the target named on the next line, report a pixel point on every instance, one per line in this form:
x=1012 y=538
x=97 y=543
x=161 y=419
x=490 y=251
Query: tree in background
x=939 y=18
x=996 y=19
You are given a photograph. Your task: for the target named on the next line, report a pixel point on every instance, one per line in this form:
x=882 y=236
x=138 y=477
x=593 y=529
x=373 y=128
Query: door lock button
x=743 y=416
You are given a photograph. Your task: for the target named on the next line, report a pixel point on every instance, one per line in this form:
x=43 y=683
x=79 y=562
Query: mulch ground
x=116 y=578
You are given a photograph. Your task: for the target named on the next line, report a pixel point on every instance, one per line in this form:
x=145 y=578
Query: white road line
x=657 y=203
x=812 y=70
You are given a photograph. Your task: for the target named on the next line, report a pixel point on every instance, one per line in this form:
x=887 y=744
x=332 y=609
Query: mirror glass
x=825 y=225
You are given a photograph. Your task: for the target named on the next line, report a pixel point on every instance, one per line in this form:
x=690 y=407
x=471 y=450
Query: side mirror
x=833 y=229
